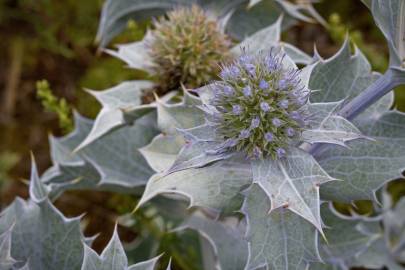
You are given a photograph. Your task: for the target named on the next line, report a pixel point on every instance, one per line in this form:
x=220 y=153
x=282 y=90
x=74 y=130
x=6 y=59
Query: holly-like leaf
x=211 y=187
x=135 y=54
x=394 y=228
x=112 y=162
x=116 y=101
x=278 y=239
x=113 y=257
x=6 y=261
x=161 y=153
x=345 y=239
x=293 y=183
x=325 y=126
x=366 y=166
x=38 y=191
x=358 y=241
x=269 y=37
x=42 y=235
x=362 y=167
x=225 y=239
x=115 y=14
x=343 y=77
x=390 y=18
x=178 y=116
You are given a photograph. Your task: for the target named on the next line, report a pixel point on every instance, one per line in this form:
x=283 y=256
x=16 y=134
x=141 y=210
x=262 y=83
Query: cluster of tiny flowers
x=259 y=106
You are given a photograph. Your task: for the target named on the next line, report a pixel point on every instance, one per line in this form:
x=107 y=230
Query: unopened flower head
x=262 y=105
x=186 y=47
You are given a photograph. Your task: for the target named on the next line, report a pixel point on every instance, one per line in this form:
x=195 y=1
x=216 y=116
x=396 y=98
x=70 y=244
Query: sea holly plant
x=178 y=56
x=35 y=235
x=373 y=242
x=261 y=152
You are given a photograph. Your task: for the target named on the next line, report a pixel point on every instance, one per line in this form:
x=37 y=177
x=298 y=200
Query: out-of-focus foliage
x=56 y=105
x=7 y=161
x=339 y=31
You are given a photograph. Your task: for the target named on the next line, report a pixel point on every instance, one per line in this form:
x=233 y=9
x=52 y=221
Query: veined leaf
x=359 y=241
x=293 y=183
x=366 y=166
x=161 y=153
x=113 y=257
x=42 y=236
x=211 y=187
x=110 y=163
x=278 y=239
x=270 y=37
x=390 y=17
x=343 y=77
x=6 y=261
x=116 y=101
x=174 y=116
x=325 y=126
x=225 y=239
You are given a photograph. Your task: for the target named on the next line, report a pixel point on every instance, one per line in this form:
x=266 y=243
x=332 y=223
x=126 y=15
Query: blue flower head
x=263 y=106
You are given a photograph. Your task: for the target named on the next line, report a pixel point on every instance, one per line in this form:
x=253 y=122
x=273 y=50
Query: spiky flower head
x=187 y=47
x=260 y=105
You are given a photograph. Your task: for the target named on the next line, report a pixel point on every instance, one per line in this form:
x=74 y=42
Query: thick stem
x=383 y=85
x=374 y=92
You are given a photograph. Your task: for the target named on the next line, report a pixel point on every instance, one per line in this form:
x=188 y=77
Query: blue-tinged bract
x=259 y=106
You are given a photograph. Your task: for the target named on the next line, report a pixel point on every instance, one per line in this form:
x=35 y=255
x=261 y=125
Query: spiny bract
x=260 y=105
x=186 y=48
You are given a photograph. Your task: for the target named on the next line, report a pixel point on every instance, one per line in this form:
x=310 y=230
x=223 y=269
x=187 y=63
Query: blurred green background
x=54 y=40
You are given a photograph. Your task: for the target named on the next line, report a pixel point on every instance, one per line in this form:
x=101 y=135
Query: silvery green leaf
x=211 y=187
x=230 y=248
x=116 y=13
x=367 y=165
x=299 y=11
x=135 y=54
x=278 y=239
x=345 y=240
x=112 y=162
x=360 y=241
x=38 y=191
x=270 y=37
x=25 y=267
x=6 y=261
x=343 y=77
x=116 y=155
x=174 y=116
x=376 y=257
x=116 y=101
x=162 y=152
x=42 y=235
x=394 y=229
x=325 y=126
x=113 y=257
x=390 y=18
x=198 y=154
x=246 y=21
x=292 y=182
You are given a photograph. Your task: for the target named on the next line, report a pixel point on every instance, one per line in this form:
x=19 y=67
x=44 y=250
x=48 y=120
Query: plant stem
x=392 y=78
